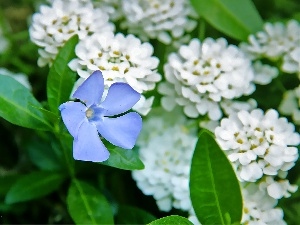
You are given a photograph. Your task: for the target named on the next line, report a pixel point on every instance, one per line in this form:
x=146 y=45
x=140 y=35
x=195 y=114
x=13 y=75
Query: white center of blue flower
x=89 y=113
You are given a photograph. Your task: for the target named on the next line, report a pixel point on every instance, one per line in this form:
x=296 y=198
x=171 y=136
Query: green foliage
x=236 y=18
x=33 y=185
x=19 y=106
x=87 y=205
x=178 y=220
x=44 y=155
x=133 y=215
x=61 y=78
x=214 y=188
x=126 y=159
x=6 y=182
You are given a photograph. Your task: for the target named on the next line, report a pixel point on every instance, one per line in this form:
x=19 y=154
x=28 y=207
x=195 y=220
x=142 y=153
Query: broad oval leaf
x=126 y=159
x=214 y=188
x=19 y=106
x=33 y=185
x=61 y=78
x=178 y=220
x=87 y=205
x=133 y=215
x=236 y=18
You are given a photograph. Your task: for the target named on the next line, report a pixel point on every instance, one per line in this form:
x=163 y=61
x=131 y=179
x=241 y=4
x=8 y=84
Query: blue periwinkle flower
x=85 y=119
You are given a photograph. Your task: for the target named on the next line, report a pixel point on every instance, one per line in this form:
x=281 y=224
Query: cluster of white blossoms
x=258 y=144
x=290 y=104
x=55 y=24
x=166 y=149
x=121 y=59
x=165 y=20
x=259 y=208
x=262 y=148
x=202 y=75
x=277 y=42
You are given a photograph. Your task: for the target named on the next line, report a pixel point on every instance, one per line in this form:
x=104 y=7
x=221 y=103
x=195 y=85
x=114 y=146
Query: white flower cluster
x=55 y=24
x=259 y=208
x=277 y=41
x=202 y=75
x=121 y=59
x=258 y=144
x=166 y=149
x=290 y=104
x=165 y=20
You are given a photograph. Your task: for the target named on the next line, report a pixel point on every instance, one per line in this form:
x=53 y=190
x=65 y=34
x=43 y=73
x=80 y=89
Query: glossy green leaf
x=236 y=18
x=19 y=106
x=87 y=205
x=133 y=215
x=61 y=78
x=33 y=185
x=126 y=159
x=178 y=220
x=214 y=188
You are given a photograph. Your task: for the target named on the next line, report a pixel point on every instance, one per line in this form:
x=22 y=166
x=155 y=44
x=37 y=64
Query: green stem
x=68 y=160
x=202 y=29
x=280 y=86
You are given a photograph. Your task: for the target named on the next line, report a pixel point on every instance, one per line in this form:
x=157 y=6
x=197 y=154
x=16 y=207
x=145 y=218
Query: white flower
x=258 y=143
x=165 y=20
x=277 y=188
x=263 y=73
x=277 y=41
x=259 y=208
x=143 y=106
x=228 y=107
x=120 y=59
x=166 y=148
x=202 y=75
x=55 y=24
x=20 y=77
x=290 y=104
x=291 y=61
x=112 y=7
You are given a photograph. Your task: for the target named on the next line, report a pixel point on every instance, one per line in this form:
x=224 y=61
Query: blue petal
x=121 y=131
x=88 y=146
x=120 y=98
x=73 y=114
x=91 y=90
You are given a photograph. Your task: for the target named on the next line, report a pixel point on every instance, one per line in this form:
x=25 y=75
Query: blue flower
x=85 y=119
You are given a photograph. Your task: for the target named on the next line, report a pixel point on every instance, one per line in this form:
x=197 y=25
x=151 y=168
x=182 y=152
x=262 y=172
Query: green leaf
x=132 y=215
x=6 y=182
x=214 y=188
x=19 y=106
x=178 y=220
x=43 y=154
x=236 y=18
x=61 y=78
x=126 y=159
x=33 y=185
x=87 y=205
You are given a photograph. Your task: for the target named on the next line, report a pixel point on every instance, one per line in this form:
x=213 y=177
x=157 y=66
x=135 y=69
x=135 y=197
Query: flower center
x=89 y=113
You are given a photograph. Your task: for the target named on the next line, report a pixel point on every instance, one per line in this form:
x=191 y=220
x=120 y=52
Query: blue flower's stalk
x=67 y=157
